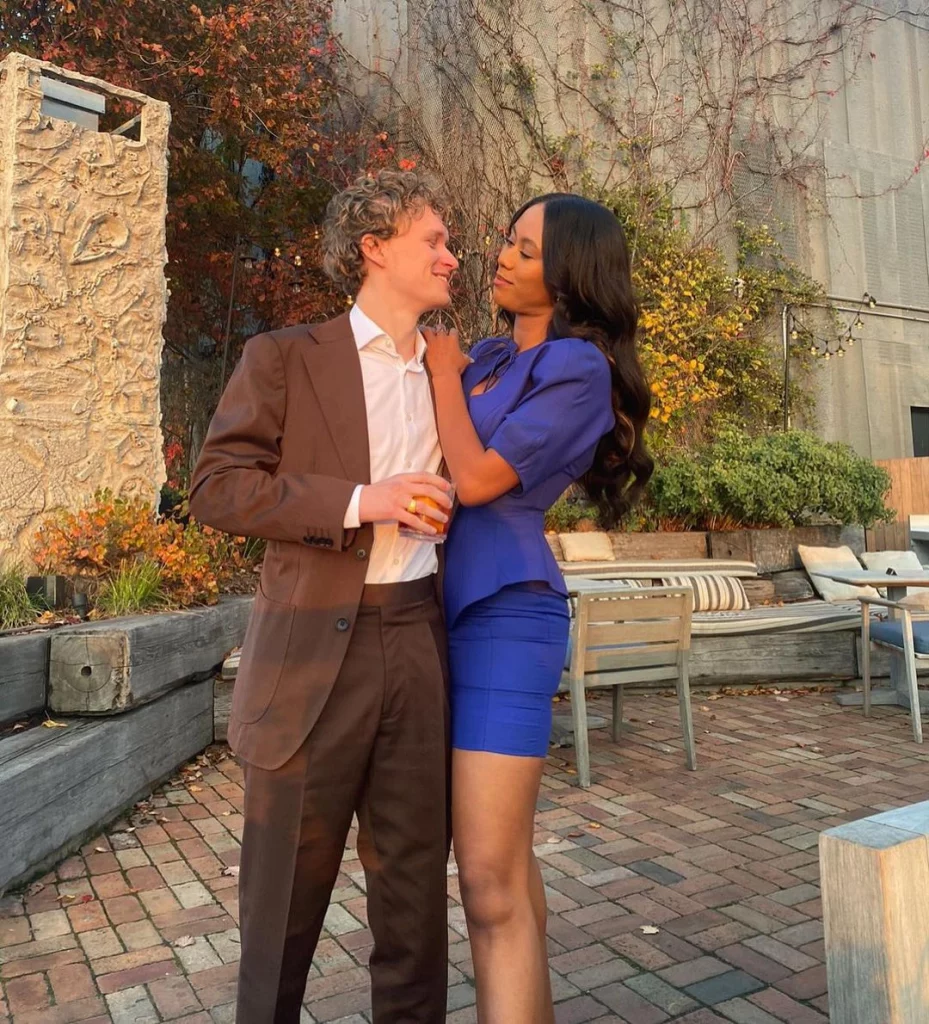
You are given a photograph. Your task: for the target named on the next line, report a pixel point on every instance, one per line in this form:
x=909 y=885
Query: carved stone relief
x=82 y=304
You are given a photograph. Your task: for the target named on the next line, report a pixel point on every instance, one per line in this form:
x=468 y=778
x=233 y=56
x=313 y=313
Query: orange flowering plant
x=195 y=561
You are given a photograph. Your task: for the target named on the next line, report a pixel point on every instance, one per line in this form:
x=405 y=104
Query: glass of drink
x=441 y=528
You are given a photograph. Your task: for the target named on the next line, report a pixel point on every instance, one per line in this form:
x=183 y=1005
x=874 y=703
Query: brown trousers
x=379 y=749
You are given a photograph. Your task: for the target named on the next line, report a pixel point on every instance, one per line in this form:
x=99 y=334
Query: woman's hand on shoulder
x=443 y=352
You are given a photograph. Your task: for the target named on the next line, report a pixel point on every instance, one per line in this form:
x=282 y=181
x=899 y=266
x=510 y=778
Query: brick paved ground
x=674 y=896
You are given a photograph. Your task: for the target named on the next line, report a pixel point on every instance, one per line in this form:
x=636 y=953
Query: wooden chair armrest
x=884 y=603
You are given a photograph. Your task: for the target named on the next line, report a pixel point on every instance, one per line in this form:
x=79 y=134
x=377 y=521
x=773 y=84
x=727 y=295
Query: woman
x=562 y=399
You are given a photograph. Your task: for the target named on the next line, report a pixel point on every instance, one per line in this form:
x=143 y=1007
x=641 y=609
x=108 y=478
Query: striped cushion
x=712 y=593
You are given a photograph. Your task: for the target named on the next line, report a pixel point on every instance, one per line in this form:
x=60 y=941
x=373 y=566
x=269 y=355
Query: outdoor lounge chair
x=919 y=538
x=629 y=636
x=905 y=638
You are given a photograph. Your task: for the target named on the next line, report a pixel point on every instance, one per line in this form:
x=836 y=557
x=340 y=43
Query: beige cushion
x=586 y=547
x=817 y=560
x=916 y=598
x=881 y=561
x=712 y=593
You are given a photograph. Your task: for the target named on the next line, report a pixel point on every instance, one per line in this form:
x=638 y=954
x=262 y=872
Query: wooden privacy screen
x=909 y=495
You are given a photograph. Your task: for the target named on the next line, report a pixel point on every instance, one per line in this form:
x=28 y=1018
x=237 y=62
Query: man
x=321 y=443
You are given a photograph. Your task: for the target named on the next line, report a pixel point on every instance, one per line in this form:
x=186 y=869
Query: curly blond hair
x=375 y=205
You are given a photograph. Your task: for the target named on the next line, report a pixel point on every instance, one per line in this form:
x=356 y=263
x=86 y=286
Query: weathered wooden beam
x=875 y=887
x=23 y=674
x=222 y=707
x=792 y=585
x=759 y=591
x=882 y=659
x=57 y=786
x=108 y=667
x=774 y=657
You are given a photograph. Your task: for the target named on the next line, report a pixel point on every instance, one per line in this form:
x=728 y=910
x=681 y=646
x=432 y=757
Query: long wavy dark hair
x=585 y=266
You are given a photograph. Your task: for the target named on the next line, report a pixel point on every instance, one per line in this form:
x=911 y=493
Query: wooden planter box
x=145 y=675
x=106 y=668
x=58 y=787
x=111 y=666
x=771 y=550
x=776 y=550
x=640 y=547
x=23 y=674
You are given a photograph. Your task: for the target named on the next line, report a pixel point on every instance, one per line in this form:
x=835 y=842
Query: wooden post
x=109 y=667
x=875 y=886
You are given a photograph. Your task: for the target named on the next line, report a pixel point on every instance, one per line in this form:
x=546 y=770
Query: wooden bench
x=655 y=569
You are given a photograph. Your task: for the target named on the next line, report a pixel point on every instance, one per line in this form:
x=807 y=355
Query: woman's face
x=519 y=287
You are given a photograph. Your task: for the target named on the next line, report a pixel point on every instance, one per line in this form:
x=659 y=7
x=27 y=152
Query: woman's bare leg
x=493 y=811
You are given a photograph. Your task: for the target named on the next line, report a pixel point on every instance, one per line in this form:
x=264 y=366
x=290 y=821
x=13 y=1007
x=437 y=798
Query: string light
x=827 y=347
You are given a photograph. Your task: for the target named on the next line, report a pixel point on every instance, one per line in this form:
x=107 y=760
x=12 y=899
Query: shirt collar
x=367 y=331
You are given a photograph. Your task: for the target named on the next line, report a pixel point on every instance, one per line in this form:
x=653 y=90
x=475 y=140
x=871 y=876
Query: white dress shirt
x=402 y=438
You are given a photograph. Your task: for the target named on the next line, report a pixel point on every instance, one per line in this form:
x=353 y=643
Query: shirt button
x=342 y=625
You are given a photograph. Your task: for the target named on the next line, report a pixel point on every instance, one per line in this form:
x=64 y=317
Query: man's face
x=417 y=263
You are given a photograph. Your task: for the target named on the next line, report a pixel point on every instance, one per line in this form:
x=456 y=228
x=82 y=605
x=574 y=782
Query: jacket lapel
x=331 y=358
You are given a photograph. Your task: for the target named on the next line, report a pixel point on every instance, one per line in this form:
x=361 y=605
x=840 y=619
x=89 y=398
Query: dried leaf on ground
x=50 y=724
x=184 y=941
x=649 y=929
x=233 y=871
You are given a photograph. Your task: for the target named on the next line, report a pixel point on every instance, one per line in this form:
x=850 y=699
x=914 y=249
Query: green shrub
x=135 y=587
x=16 y=607
x=780 y=479
x=567 y=512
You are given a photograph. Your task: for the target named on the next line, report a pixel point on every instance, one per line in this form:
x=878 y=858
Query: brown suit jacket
x=285 y=450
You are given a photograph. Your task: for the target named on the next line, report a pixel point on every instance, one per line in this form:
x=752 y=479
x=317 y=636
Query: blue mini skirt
x=506 y=655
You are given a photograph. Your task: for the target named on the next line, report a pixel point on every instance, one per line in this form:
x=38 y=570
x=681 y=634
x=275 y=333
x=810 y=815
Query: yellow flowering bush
x=705 y=329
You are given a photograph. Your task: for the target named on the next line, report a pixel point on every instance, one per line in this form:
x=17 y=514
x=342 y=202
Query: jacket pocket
x=264 y=652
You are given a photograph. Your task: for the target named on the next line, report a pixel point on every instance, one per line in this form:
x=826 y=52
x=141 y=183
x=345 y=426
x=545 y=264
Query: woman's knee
x=492 y=893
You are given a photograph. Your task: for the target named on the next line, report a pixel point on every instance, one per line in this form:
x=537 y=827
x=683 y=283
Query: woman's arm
x=480 y=474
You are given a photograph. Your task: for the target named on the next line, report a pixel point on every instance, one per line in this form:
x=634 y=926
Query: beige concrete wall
x=82 y=304
x=863 y=225
x=875 y=236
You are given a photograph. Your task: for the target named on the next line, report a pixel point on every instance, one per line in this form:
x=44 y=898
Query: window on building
x=920 y=419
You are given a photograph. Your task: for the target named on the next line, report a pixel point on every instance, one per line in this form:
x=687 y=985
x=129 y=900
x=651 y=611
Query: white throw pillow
x=819 y=560
x=586 y=547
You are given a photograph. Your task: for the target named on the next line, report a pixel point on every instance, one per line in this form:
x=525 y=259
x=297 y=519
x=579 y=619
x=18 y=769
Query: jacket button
x=342 y=625
x=361 y=554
